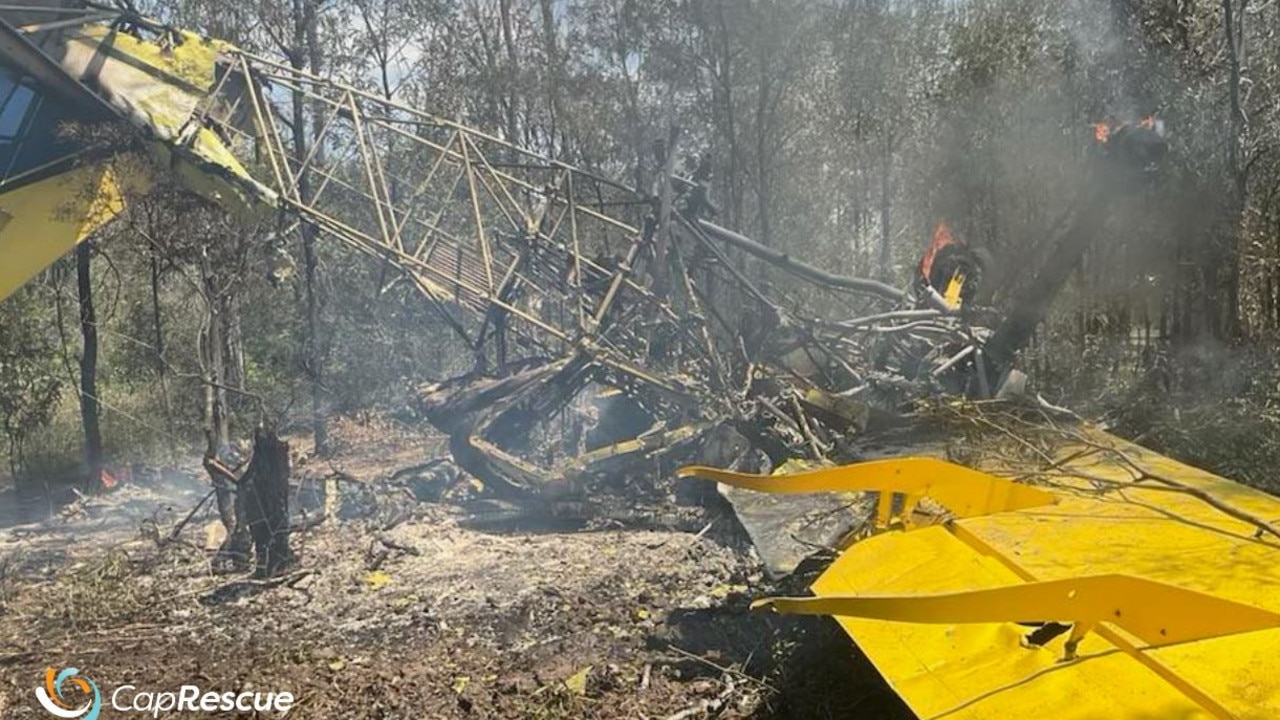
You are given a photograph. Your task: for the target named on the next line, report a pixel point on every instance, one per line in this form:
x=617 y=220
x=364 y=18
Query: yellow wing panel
x=1104 y=522
x=1242 y=672
x=1143 y=533
x=981 y=670
x=1150 y=530
x=40 y=222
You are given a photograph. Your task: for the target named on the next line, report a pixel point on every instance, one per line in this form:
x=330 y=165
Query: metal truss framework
x=553 y=257
x=555 y=277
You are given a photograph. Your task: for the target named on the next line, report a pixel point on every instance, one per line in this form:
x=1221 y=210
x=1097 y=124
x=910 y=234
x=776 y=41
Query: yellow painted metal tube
x=1154 y=612
x=962 y=491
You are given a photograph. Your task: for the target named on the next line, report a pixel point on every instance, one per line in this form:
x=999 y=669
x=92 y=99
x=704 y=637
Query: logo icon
x=53 y=696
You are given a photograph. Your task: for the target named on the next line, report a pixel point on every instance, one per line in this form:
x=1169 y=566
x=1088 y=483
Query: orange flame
x=942 y=237
x=1103 y=130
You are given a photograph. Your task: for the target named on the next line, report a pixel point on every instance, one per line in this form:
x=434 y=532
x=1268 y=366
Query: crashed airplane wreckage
x=1112 y=582
x=565 y=286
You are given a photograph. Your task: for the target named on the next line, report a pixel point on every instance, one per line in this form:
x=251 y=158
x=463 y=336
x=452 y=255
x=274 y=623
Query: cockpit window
x=29 y=126
x=17 y=102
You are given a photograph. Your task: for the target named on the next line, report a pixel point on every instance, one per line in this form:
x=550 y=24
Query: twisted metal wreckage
x=1153 y=585
x=557 y=279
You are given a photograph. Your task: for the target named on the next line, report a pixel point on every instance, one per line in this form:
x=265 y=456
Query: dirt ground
x=405 y=608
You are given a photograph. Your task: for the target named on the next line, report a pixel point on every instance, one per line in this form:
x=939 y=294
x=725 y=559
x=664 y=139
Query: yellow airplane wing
x=1171 y=583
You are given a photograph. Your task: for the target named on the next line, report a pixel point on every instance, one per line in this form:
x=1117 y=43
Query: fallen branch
x=393 y=545
x=707 y=708
x=289 y=580
x=1263 y=527
x=819 y=452
x=177 y=529
x=887 y=316
x=216 y=469
x=14 y=658
x=725 y=670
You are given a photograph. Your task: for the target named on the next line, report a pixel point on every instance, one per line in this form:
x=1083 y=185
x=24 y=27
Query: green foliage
x=31 y=378
x=1209 y=405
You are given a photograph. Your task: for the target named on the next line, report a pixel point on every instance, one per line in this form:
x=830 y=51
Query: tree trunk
x=90 y=407
x=233 y=334
x=1031 y=304
x=306 y=41
x=886 y=249
x=764 y=158
x=665 y=199
x=722 y=94
x=157 y=326
x=233 y=555
x=554 y=71
x=1239 y=170
x=234 y=551
x=259 y=515
x=510 y=81
x=265 y=489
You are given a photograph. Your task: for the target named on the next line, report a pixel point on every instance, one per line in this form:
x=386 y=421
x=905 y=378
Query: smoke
x=162 y=496
x=1092 y=27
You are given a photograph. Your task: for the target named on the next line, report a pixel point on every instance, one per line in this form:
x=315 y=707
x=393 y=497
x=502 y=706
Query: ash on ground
x=419 y=599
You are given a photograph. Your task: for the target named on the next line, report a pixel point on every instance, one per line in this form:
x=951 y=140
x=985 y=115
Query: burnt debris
x=700 y=330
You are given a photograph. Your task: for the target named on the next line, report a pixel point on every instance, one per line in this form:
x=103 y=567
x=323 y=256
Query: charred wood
x=265 y=490
x=255 y=508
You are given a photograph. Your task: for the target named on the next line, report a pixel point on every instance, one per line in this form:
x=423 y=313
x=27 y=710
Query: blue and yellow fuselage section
x=56 y=189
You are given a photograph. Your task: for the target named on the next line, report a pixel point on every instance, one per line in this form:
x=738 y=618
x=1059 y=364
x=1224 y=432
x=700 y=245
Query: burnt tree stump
x=255 y=508
x=264 y=494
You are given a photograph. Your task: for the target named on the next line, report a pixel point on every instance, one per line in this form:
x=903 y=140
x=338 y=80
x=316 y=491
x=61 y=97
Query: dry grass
x=533 y=623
